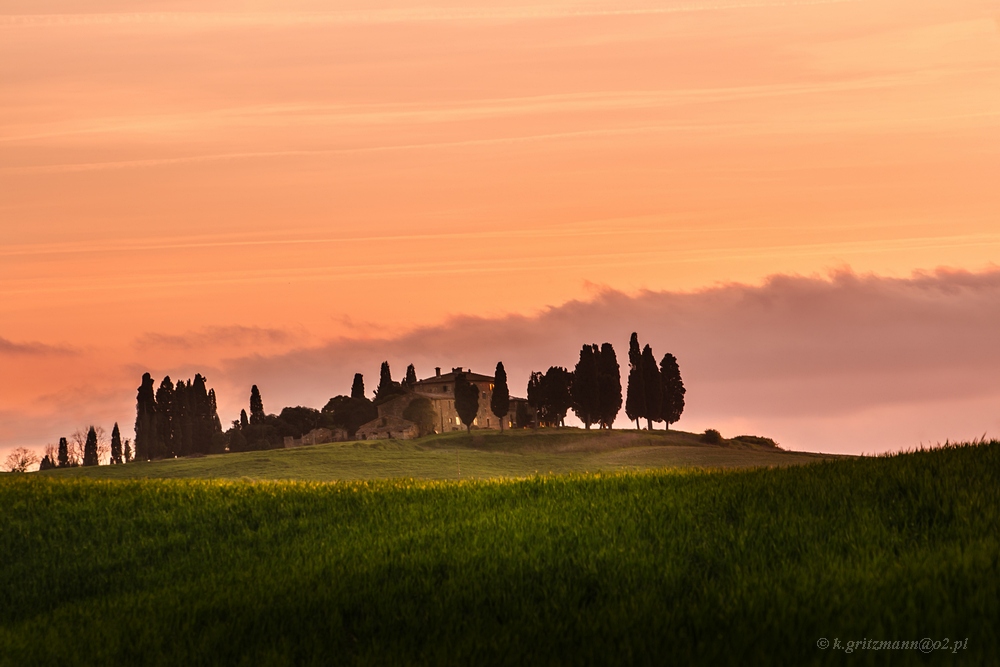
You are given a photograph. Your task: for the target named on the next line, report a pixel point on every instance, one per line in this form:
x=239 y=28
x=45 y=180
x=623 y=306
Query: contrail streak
x=219 y=19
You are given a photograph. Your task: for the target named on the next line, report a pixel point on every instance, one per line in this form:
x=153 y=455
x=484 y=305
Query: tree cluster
x=655 y=392
x=593 y=389
x=550 y=394
x=87 y=447
x=260 y=430
x=176 y=420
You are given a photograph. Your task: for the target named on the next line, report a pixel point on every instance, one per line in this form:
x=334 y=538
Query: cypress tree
x=673 y=389
x=165 y=417
x=609 y=383
x=116 y=446
x=534 y=391
x=557 y=399
x=585 y=391
x=181 y=421
x=386 y=387
x=90 y=448
x=145 y=420
x=500 y=400
x=358 y=386
x=411 y=377
x=244 y=422
x=128 y=450
x=63 y=453
x=651 y=387
x=257 y=415
x=202 y=424
x=216 y=422
x=466 y=400
x=635 y=399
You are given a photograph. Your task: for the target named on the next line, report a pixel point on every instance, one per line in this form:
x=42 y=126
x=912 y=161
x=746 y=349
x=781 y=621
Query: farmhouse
x=440 y=391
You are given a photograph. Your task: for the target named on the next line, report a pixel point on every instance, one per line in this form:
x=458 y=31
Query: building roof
x=450 y=377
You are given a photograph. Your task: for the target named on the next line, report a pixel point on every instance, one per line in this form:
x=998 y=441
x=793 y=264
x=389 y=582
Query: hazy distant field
x=731 y=567
x=459 y=456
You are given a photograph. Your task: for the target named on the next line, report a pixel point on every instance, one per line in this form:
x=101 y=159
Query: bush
x=711 y=437
x=757 y=440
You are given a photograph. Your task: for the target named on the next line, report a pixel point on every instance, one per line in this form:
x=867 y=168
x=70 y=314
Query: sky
x=796 y=198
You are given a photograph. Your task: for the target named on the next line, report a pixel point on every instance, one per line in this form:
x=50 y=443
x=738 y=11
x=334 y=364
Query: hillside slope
x=482 y=455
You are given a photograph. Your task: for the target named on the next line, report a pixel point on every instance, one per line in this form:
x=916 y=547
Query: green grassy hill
x=733 y=567
x=482 y=455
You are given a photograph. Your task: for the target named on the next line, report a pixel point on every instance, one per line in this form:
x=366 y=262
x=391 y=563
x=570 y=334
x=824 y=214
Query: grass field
x=455 y=456
x=729 y=567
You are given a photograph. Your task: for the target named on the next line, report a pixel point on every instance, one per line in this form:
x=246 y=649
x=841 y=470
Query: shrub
x=711 y=437
x=757 y=440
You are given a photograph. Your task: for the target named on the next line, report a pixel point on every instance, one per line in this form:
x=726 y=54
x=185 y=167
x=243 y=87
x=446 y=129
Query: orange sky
x=302 y=172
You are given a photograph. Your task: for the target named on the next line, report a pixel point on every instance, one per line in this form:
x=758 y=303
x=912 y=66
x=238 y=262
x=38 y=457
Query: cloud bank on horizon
x=850 y=363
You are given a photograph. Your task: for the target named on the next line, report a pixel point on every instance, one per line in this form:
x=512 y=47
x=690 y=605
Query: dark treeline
x=87 y=448
x=260 y=430
x=182 y=419
x=176 y=420
x=593 y=389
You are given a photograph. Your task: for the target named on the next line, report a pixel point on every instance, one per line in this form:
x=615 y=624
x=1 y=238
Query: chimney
x=437 y=371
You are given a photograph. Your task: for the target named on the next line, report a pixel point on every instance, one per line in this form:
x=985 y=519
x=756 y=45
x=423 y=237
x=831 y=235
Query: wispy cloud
x=227 y=336
x=378 y=16
x=32 y=349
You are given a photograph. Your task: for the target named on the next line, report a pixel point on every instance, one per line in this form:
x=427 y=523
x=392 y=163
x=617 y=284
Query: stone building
x=440 y=391
x=387 y=427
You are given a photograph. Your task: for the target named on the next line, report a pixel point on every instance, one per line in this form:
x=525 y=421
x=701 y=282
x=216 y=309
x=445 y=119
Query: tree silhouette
x=349 y=413
x=500 y=400
x=609 y=383
x=384 y=381
x=651 y=386
x=20 y=460
x=411 y=377
x=213 y=407
x=202 y=418
x=635 y=400
x=90 y=448
x=358 y=387
x=257 y=415
x=585 y=390
x=128 y=451
x=166 y=418
x=466 y=400
x=244 y=422
x=557 y=399
x=673 y=390
x=116 y=446
x=63 y=461
x=387 y=388
x=534 y=391
x=180 y=421
x=521 y=416
x=145 y=420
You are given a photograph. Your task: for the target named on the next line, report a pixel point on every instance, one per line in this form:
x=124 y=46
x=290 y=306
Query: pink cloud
x=769 y=359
